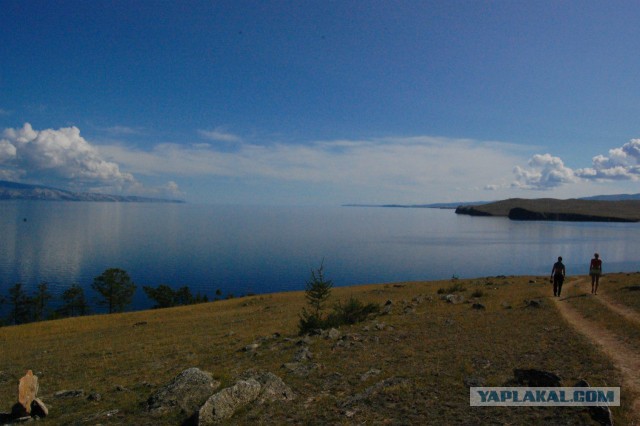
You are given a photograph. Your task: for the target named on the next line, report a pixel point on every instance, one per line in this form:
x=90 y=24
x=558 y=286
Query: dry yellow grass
x=435 y=347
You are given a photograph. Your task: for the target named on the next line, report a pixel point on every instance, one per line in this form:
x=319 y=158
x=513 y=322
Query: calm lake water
x=240 y=249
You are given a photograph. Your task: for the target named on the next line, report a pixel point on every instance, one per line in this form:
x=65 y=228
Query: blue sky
x=322 y=102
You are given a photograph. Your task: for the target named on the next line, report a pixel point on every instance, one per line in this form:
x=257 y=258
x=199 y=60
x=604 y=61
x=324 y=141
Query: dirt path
x=624 y=358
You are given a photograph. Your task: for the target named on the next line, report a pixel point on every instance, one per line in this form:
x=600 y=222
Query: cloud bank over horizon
x=215 y=163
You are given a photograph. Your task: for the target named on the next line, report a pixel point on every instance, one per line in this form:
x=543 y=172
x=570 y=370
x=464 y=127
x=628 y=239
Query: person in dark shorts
x=595 y=270
x=557 y=276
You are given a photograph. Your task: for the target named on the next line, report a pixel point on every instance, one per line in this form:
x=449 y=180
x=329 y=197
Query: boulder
x=453 y=298
x=272 y=387
x=225 y=403
x=186 y=392
x=479 y=306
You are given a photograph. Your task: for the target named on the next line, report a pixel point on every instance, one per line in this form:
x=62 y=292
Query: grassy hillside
x=430 y=349
x=626 y=209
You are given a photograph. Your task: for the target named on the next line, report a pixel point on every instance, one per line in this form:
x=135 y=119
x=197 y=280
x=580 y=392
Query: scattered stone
x=378 y=388
x=94 y=396
x=387 y=308
x=380 y=326
x=300 y=369
x=532 y=282
x=533 y=303
x=303 y=354
x=140 y=323
x=186 y=392
x=417 y=300
x=333 y=334
x=534 y=378
x=222 y=405
x=453 y=298
x=251 y=348
x=473 y=381
x=305 y=341
x=120 y=388
x=27 y=390
x=74 y=393
x=371 y=373
x=506 y=305
x=478 y=306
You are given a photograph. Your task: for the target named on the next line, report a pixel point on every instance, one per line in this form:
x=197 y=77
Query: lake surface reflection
x=242 y=249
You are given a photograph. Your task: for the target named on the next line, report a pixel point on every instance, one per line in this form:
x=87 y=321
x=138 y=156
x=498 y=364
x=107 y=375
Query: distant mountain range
x=22 y=191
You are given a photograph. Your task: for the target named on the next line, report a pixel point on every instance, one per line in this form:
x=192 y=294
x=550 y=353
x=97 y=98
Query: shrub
x=352 y=312
x=454 y=288
x=477 y=293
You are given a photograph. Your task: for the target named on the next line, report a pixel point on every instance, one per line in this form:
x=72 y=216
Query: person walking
x=595 y=270
x=557 y=276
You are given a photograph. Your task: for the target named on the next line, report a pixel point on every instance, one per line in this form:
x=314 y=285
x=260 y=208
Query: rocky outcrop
x=471 y=211
x=519 y=213
x=252 y=387
x=186 y=392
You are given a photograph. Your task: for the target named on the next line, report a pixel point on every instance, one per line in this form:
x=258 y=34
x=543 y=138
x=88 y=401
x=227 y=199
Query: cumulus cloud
x=59 y=155
x=545 y=172
x=622 y=164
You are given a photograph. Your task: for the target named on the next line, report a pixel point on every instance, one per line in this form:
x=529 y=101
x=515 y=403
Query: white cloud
x=544 y=172
x=415 y=166
x=59 y=155
x=218 y=134
x=622 y=164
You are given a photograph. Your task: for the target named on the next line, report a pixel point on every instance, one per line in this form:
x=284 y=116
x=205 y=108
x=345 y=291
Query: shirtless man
x=557 y=276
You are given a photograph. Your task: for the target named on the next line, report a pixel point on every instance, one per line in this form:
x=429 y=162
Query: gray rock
x=272 y=387
x=333 y=334
x=222 y=405
x=251 y=348
x=73 y=393
x=387 y=308
x=478 y=306
x=303 y=354
x=371 y=373
x=454 y=299
x=300 y=369
x=376 y=389
x=186 y=392
x=533 y=303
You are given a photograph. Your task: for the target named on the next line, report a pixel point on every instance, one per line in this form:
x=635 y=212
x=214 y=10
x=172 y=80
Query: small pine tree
x=318 y=290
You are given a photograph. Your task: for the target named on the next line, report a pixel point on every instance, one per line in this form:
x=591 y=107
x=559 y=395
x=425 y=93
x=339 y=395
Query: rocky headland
x=558 y=210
